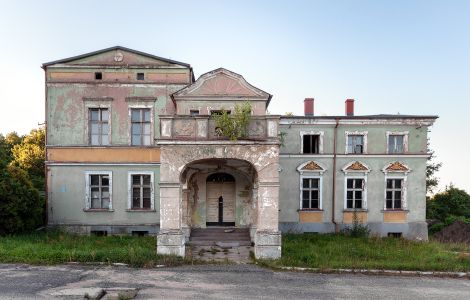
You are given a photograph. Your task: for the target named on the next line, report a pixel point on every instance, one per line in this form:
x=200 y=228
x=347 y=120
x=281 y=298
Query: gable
x=356 y=166
x=117 y=56
x=221 y=83
x=396 y=167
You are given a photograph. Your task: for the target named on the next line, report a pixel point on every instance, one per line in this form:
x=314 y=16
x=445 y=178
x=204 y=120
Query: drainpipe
x=46 y=173
x=334 y=177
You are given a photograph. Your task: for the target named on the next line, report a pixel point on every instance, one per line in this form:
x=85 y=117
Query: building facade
x=132 y=149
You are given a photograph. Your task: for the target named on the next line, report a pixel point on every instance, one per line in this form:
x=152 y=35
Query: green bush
x=234 y=126
x=453 y=202
x=21 y=207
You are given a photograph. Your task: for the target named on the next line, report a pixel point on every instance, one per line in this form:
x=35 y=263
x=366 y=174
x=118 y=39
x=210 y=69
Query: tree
x=29 y=155
x=234 y=126
x=431 y=169
x=453 y=202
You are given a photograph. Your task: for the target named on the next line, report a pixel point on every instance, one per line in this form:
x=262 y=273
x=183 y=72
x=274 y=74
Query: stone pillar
x=268 y=237
x=170 y=239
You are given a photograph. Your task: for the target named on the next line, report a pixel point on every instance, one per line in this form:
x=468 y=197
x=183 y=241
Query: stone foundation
x=171 y=243
x=267 y=245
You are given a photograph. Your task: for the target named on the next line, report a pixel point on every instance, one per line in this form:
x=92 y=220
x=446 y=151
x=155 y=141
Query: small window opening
x=98 y=76
x=194 y=112
x=140 y=233
x=394 y=234
x=219 y=112
x=311 y=144
x=99 y=232
x=140 y=76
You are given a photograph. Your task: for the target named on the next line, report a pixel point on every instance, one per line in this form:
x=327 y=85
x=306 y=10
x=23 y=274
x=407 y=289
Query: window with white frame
x=311 y=190
x=98 y=126
x=394 y=193
x=355 y=144
x=141 y=126
x=311 y=142
x=98 y=190
x=355 y=193
x=141 y=191
x=397 y=142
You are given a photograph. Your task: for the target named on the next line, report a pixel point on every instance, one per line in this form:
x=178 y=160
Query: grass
x=338 y=251
x=59 y=247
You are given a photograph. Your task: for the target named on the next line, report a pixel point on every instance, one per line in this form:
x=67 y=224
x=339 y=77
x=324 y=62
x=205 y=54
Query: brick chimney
x=308 y=107
x=349 y=104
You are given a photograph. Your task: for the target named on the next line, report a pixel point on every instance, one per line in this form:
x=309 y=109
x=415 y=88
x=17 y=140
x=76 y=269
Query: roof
x=65 y=60
x=379 y=116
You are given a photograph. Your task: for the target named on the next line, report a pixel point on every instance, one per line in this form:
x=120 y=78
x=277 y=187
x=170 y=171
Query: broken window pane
x=95 y=179
x=146 y=179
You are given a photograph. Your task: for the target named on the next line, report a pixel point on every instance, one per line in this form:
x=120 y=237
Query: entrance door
x=220 y=202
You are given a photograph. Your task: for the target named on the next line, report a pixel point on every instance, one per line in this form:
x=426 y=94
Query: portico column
x=268 y=237
x=170 y=239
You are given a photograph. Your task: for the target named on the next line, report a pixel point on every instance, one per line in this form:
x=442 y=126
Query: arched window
x=220 y=177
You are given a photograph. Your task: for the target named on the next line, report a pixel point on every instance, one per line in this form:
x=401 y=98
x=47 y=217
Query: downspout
x=46 y=172
x=334 y=177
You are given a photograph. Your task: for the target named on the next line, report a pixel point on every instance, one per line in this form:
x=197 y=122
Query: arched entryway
x=220 y=200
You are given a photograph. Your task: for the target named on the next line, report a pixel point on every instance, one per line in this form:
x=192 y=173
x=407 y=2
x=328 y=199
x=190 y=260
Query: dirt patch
x=458 y=232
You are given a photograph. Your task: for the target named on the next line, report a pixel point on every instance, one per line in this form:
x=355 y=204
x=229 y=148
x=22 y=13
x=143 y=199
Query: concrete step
x=216 y=243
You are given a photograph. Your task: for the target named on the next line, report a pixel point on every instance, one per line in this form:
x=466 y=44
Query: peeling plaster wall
x=67 y=197
x=67 y=112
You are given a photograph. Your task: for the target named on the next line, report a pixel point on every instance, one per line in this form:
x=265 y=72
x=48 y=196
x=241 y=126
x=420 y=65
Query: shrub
x=234 y=126
x=21 y=207
x=357 y=229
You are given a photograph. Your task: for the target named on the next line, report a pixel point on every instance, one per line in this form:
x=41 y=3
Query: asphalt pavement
x=217 y=282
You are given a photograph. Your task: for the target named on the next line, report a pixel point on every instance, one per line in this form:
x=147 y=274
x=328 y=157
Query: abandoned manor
x=133 y=147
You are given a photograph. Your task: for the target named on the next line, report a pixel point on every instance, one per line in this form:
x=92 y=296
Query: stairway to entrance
x=220 y=244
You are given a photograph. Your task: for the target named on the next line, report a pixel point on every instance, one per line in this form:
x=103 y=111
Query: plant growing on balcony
x=234 y=126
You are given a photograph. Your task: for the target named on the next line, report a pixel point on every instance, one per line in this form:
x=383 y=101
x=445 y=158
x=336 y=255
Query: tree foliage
x=234 y=126
x=29 y=155
x=431 y=169
x=453 y=202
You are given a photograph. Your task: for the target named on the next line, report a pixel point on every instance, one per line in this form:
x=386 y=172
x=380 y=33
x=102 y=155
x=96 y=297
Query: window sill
x=394 y=210
x=98 y=210
x=310 y=210
x=355 y=210
x=141 y=210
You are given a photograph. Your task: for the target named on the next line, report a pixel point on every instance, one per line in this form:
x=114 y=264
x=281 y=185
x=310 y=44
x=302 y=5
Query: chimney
x=349 y=103
x=308 y=107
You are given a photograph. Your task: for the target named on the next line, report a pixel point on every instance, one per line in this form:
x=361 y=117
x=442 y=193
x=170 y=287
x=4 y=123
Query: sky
x=408 y=57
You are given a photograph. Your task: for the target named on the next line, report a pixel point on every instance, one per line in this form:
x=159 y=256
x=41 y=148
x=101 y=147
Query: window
x=219 y=112
x=140 y=76
x=141 y=193
x=98 y=75
x=394 y=234
x=98 y=190
x=140 y=126
x=194 y=112
x=311 y=193
x=355 y=144
x=396 y=143
x=99 y=232
x=311 y=143
x=394 y=194
x=355 y=188
x=99 y=126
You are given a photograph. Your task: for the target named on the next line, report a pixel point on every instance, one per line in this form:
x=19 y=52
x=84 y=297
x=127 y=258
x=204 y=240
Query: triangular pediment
x=396 y=167
x=117 y=56
x=356 y=166
x=311 y=166
x=221 y=83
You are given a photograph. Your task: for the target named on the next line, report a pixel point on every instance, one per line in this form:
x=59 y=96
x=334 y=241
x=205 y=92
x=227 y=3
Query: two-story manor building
x=132 y=149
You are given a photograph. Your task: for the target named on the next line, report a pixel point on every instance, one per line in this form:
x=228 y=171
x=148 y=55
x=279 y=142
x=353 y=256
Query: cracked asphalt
x=219 y=282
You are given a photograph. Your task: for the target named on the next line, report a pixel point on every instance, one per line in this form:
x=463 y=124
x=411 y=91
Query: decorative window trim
x=87 y=189
x=152 y=122
x=320 y=188
x=94 y=103
x=312 y=132
x=364 y=194
x=405 y=140
x=404 y=203
x=129 y=190
x=301 y=167
x=346 y=169
x=402 y=164
x=348 y=133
